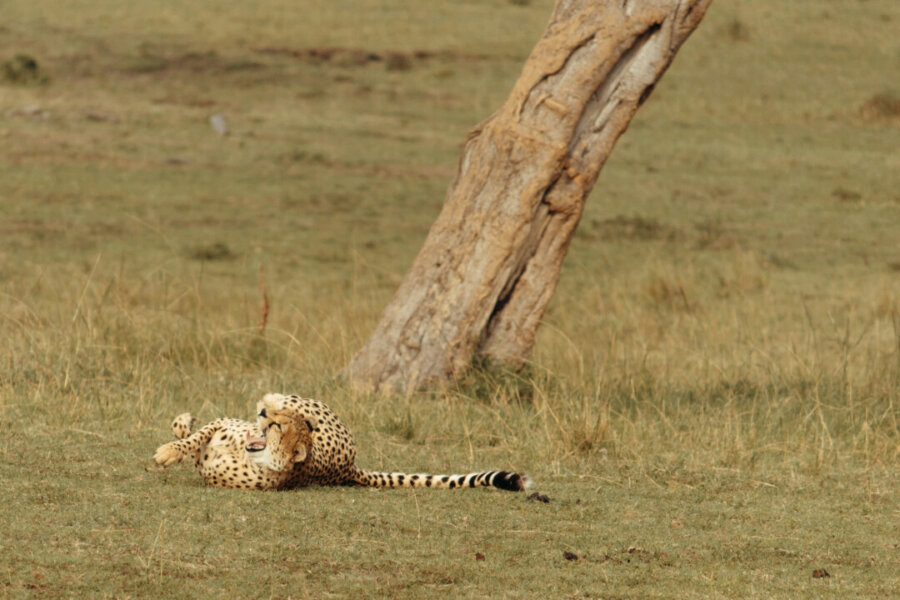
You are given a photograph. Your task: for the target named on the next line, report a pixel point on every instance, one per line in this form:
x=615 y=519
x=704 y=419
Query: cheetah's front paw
x=167 y=454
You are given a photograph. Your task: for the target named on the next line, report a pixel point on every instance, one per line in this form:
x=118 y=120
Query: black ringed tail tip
x=508 y=481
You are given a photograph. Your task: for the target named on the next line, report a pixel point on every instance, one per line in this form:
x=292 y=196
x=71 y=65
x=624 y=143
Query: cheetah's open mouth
x=254 y=444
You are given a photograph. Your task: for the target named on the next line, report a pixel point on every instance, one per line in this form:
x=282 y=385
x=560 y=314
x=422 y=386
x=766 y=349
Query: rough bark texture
x=490 y=264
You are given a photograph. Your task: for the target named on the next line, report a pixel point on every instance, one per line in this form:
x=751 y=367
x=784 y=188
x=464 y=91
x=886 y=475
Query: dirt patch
x=881 y=107
x=736 y=31
x=630 y=555
x=190 y=101
x=22 y=69
x=712 y=235
x=152 y=61
x=394 y=60
x=212 y=252
x=39 y=229
x=633 y=228
x=844 y=195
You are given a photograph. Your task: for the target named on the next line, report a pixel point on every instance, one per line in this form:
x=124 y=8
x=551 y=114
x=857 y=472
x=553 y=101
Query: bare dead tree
x=490 y=264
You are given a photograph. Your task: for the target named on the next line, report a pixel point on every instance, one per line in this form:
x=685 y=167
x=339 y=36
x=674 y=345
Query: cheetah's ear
x=312 y=423
x=300 y=453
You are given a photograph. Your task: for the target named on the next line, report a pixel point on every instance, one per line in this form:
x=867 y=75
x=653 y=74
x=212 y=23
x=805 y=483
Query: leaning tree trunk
x=490 y=264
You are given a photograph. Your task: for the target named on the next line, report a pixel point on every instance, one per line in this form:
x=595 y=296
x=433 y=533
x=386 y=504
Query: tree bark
x=490 y=263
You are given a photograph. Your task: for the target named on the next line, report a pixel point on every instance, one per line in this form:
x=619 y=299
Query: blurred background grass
x=726 y=333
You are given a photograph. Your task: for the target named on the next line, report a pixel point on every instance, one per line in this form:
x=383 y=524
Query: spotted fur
x=304 y=444
x=227 y=452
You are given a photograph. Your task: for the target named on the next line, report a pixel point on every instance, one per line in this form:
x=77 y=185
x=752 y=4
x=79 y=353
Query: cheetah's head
x=285 y=439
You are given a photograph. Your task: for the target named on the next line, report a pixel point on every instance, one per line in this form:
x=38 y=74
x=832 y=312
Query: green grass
x=712 y=406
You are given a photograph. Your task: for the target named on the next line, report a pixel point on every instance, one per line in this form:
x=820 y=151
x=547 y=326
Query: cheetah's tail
x=504 y=480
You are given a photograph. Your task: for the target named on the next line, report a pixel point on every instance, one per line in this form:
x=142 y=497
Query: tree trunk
x=490 y=264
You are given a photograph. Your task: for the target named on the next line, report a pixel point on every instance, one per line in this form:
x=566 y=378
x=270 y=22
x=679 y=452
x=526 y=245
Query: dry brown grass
x=712 y=406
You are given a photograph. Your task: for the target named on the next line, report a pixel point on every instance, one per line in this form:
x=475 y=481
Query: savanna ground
x=712 y=408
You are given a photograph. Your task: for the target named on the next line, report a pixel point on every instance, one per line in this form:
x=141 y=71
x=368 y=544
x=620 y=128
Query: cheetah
x=296 y=442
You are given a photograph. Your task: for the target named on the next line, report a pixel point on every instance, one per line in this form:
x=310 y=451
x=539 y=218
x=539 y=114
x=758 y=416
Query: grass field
x=712 y=407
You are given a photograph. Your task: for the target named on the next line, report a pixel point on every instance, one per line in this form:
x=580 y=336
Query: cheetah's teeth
x=255 y=444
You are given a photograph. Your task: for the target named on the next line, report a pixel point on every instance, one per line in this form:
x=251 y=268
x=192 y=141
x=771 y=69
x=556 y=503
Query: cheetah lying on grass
x=295 y=442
